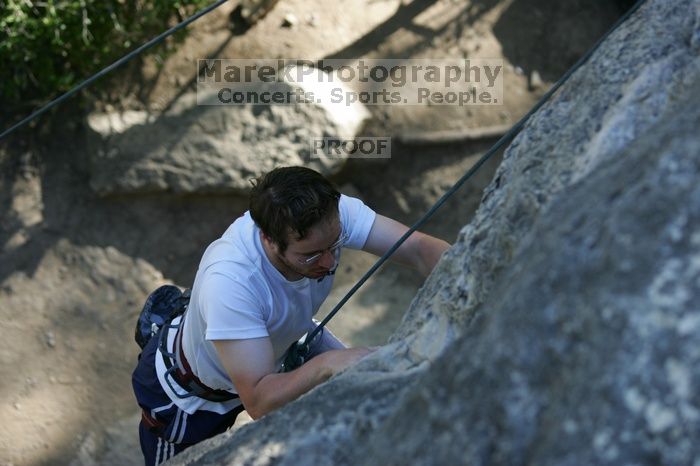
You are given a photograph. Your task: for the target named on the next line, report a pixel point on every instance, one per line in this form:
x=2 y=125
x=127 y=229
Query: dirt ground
x=75 y=268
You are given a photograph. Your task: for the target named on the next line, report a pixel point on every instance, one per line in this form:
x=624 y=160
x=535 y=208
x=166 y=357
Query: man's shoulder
x=228 y=280
x=236 y=271
x=235 y=248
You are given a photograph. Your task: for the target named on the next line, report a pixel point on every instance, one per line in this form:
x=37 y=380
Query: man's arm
x=419 y=251
x=251 y=366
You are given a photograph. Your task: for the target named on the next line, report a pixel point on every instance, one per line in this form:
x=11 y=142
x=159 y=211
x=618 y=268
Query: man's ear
x=270 y=243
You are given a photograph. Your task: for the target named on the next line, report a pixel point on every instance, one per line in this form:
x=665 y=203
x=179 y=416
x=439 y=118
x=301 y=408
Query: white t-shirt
x=239 y=294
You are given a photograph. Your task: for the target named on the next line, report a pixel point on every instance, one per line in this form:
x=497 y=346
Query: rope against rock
x=300 y=350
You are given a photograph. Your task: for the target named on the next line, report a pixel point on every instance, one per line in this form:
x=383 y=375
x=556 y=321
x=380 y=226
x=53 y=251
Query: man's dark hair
x=291 y=200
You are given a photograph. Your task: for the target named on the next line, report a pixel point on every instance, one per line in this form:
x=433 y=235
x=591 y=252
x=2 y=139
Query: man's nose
x=327 y=260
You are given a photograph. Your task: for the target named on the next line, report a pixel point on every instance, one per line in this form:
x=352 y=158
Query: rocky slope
x=563 y=326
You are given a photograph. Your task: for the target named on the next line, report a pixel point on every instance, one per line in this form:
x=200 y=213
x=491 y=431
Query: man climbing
x=255 y=293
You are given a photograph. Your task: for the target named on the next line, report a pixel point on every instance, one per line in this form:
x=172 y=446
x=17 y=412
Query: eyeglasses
x=332 y=249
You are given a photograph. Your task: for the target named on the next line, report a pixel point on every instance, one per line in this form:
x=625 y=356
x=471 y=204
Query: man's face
x=318 y=240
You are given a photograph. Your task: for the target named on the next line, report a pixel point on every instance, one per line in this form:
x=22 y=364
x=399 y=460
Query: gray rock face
x=564 y=326
x=586 y=349
x=219 y=148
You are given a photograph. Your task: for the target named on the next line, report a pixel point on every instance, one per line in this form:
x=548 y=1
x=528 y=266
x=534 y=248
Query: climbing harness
x=163 y=312
x=179 y=370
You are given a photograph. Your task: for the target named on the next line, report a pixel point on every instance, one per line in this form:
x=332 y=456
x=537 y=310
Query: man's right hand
x=338 y=360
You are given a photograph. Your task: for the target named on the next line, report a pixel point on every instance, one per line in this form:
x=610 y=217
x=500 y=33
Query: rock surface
x=563 y=326
x=213 y=148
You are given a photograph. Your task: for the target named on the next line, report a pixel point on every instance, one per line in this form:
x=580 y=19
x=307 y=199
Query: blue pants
x=176 y=430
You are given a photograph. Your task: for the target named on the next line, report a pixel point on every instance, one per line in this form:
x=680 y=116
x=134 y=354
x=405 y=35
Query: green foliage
x=47 y=46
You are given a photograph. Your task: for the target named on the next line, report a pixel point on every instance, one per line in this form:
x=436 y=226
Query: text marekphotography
x=367 y=81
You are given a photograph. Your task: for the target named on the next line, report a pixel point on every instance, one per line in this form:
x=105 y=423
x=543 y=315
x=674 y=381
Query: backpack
x=162 y=305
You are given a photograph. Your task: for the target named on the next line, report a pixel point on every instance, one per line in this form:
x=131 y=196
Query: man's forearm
x=276 y=390
x=430 y=251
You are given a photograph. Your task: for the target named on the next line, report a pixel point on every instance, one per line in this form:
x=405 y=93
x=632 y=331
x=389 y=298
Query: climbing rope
x=299 y=351
x=114 y=65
